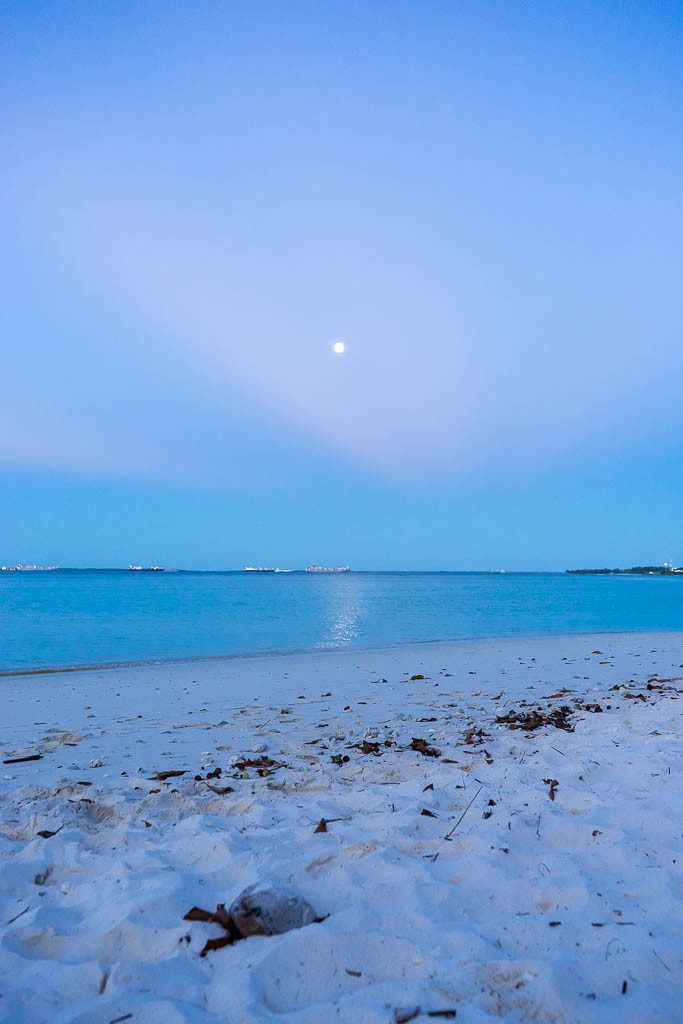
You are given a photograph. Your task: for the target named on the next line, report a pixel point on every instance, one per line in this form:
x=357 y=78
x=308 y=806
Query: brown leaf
x=536 y=719
x=367 y=747
x=197 y=914
x=474 y=737
x=422 y=747
x=221 y=917
x=553 y=784
x=262 y=763
x=162 y=776
x=427 y=813
x=321 y=826
x=211 y=944
x=218 y=916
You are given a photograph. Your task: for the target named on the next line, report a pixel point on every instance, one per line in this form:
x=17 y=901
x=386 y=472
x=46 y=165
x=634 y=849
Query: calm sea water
x=99 y=617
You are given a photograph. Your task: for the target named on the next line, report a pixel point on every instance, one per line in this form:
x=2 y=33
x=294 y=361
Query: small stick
x=464 y=813
x=661 y=961
x=20 y=914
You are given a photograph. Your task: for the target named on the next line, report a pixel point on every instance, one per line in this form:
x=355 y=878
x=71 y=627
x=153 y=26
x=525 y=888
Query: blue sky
x=481 y=199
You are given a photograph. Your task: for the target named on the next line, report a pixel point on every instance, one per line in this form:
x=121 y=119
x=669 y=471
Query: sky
x=481 y=199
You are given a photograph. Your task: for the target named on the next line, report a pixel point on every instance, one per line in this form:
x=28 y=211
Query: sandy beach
x=487 y=828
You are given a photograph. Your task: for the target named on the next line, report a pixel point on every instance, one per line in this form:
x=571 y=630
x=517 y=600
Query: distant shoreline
x=157 y=573
x=636 y=570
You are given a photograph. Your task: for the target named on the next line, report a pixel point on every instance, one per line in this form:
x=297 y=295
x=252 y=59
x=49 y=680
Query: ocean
x=101 y=617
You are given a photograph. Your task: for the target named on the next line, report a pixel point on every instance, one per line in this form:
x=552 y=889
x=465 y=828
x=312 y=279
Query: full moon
x=339 y=347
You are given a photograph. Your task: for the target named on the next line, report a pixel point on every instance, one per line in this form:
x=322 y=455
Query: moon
x=338 y=347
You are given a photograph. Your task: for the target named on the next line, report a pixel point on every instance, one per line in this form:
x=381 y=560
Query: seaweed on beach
x=221 y=917
x=367 y=747
x=536 y=718
x=474 y=737
x=262 y=764
x=422 y=747
x=258 y=910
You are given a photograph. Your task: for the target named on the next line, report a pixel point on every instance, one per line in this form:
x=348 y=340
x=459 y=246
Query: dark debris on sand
x=560 y=718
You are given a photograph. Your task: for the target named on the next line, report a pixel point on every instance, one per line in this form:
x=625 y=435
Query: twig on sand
x=661 y=961
x=464 y=813
x=17 y=916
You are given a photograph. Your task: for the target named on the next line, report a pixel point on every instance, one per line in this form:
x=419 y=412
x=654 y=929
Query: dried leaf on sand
x=262 y=763
x=528 y=721
x=422 y=747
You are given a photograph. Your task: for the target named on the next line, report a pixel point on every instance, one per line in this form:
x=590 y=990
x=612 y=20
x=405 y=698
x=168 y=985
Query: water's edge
x=330 y=650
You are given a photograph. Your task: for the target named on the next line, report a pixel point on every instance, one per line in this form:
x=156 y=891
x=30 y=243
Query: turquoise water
x=102 y=617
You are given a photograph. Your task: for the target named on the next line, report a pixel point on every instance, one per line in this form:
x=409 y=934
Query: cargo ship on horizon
x=258 y=568
x=324 y=568
x=30 y=568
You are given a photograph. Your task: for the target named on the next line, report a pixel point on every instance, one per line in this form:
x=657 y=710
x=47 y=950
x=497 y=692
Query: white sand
x=92 y=917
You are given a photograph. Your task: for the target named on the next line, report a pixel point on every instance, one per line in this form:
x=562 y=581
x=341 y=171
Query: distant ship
x=146 y=568
x=258 y=568
x=323 y=568
x=30 y=568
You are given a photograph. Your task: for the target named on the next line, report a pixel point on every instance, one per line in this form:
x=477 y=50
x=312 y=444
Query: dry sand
x=520 y=874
